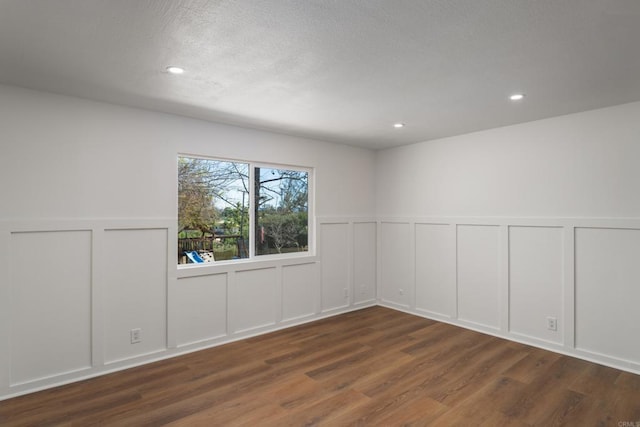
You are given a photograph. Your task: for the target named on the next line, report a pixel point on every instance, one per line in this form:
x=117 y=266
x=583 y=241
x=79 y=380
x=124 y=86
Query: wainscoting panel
x=299 y=284
x=479 y=275
x=103 y=278
x=608 y=292
x=364 y=261
x=536 y=271
x=201 y=308
x=396 y=264
x=510 y=276
x=135 y=292
x=253 y=299
x=436 y=269
x=334 y=252
x=71 y=317
x=50 y=300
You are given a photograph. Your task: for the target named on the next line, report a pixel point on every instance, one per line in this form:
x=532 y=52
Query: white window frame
x=253 y=257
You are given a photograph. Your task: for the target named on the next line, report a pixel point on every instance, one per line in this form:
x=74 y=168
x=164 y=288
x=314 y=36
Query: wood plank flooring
x=373 y=367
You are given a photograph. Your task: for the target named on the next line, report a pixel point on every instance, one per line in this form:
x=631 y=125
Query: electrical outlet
x=346 y=292
x=552 y=323
x=401 y=291
x=136 y=335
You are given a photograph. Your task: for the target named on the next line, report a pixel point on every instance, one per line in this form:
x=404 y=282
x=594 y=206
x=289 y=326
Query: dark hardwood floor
x=371 y=367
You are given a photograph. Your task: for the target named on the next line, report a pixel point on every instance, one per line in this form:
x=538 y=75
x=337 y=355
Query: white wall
x=511 y=226
x=87 y=240
x=571 y=166
x=494 y=231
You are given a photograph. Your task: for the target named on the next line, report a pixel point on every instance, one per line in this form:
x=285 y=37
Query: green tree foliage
x=202 y=183
x=236 y=220
x=196 y=210
x=281 y=229
x=282 y=202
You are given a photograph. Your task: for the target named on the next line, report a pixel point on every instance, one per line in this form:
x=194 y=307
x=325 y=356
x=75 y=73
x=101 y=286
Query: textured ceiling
x=338 y=70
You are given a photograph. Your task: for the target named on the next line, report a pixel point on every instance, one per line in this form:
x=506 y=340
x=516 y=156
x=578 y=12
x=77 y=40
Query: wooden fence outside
x=206 y=244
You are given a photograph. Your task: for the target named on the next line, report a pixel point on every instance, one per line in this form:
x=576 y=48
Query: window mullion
x=252 y=209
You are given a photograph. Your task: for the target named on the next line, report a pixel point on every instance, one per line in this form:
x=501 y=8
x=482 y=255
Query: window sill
x=256 y=263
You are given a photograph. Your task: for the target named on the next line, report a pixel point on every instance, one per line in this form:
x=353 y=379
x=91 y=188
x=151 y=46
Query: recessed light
x=398 y=125
x=175 y=70
x=517 y=97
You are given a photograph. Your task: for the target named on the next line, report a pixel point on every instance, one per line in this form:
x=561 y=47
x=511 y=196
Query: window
x=281 y=203
x=233 y=210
